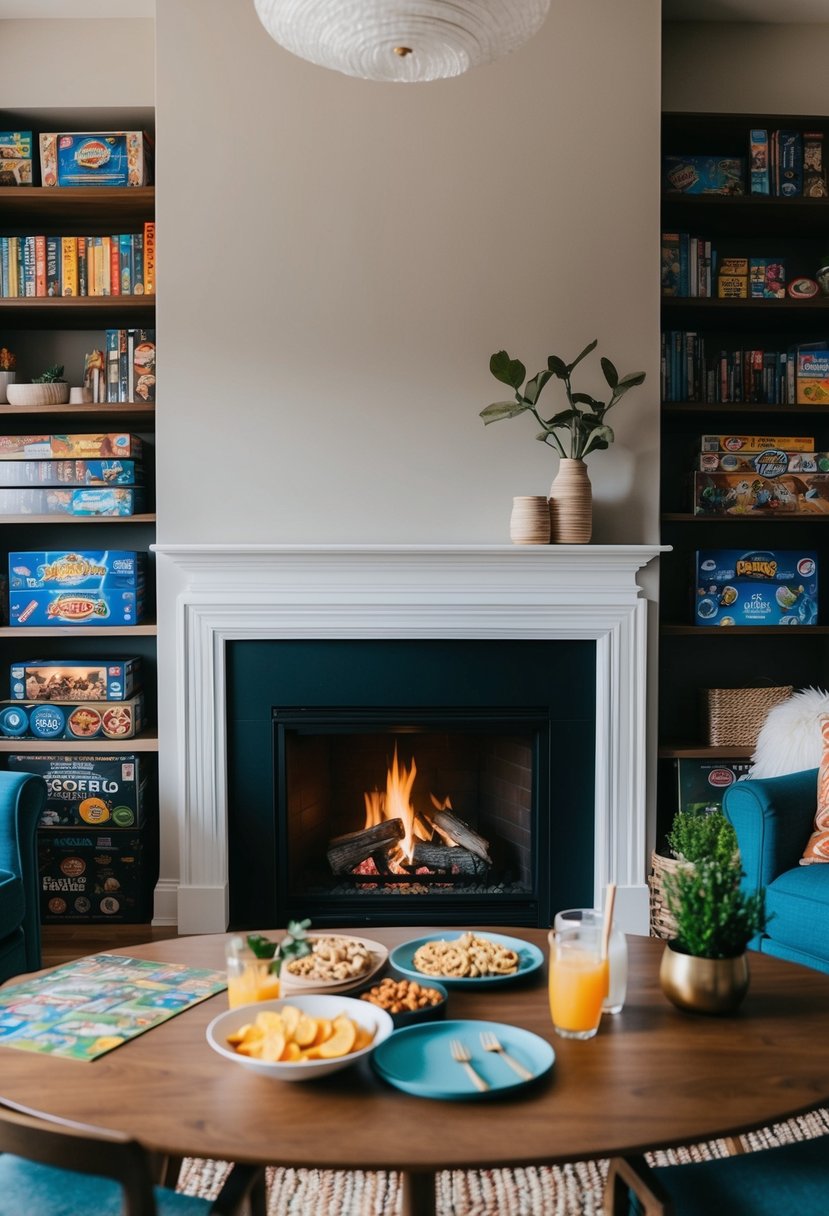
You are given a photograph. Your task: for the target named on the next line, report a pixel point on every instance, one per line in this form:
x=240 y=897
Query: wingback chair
x=22 y=798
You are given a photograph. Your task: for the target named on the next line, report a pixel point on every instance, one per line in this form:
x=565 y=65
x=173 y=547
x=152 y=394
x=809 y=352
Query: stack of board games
x=97 y=838
x=82 y=587
x=73 y=699
x=83 y=475
x=769 y=475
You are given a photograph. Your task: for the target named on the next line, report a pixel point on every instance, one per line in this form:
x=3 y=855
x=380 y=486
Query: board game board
x=89 y=1007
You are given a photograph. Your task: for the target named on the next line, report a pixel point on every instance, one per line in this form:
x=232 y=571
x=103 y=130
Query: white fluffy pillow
x=790 y=739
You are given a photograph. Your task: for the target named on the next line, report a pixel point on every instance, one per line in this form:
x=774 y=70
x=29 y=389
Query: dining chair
x=64 y=1168
x=790 y=1180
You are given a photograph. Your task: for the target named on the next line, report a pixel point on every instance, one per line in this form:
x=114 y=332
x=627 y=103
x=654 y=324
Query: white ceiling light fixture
x=401 y=40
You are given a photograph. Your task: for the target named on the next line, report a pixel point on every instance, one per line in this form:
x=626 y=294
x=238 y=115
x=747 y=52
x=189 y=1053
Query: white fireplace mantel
x=225 y=593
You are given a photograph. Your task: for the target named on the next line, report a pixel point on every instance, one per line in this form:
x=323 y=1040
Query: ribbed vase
x=571 y=504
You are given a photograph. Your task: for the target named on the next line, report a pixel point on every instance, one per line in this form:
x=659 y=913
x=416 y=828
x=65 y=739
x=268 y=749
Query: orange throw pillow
x=817 y=847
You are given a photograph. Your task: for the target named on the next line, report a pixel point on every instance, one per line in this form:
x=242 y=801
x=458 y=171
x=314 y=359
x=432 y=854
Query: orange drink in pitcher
x=578 y=981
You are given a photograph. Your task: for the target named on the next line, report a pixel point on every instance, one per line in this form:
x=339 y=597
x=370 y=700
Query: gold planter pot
x=703 y=985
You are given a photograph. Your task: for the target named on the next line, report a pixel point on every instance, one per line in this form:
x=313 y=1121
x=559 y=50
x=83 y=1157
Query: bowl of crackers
x=299 y=1038
x=407 y=1001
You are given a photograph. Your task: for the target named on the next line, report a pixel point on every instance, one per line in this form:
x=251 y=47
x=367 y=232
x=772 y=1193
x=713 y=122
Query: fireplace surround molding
x=225 y=593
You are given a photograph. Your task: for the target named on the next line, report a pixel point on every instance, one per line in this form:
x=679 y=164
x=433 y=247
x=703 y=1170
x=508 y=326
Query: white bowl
x=365 y=1014
x=49 y=393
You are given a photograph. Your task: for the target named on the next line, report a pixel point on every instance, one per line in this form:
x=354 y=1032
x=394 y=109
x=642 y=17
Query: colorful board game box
x=93 y=607
x=767 y=278
x=756 y=443
x=82 y=569
x=70 y=473
x=15 y=158
x=71 y=500
x=704 y=174
x=85 y=790
x=759 y=159
x=84 y=720
x=746 y=494
x=75 y=679
x=86 y=874
x=91 y=446
x=812 y=376
x=702 y=783
x=770 y=463
x=95 y=158
x=756 y=587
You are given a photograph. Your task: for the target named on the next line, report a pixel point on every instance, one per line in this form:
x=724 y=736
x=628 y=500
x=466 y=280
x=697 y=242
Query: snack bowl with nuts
x=407 y=1001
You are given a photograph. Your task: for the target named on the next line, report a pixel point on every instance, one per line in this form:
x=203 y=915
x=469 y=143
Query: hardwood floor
x=62 y=943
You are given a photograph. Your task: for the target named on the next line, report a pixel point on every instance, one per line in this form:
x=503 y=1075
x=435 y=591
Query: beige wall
x=75 y=64
x=338 y=259
x=745 y=68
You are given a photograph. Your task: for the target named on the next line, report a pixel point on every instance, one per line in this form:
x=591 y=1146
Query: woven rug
x=568 y=1190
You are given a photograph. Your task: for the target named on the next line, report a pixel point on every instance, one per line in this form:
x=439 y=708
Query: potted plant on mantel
x=573 y=432
x=704 y=967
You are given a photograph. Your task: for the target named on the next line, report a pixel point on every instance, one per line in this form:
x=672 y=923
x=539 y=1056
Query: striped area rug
x=568 y=1190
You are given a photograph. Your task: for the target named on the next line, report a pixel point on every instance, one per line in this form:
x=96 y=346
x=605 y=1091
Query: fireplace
x=360 y=791
x=213 y=596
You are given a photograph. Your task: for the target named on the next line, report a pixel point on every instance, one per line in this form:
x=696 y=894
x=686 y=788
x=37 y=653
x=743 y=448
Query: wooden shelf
x=87 y=208
x=147 y=741
x=752 y=631
x=78 y=631
x=713 y=305
x=701 y=751
x=745 y=214
x=134 y=413
x=685 y=517
x=74 y=312
x=77 y=519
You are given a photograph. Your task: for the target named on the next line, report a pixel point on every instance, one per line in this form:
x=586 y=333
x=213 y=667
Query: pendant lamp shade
x=401 y=40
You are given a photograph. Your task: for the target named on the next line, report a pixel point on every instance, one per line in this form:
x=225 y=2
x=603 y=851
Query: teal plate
x=419 y=1061
x=530 y=959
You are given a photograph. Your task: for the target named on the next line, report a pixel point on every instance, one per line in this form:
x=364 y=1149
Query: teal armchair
x=773 y=819
x=22 y=798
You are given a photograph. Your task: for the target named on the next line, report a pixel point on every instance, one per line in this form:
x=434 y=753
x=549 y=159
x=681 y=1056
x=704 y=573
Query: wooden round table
x=652 y=1077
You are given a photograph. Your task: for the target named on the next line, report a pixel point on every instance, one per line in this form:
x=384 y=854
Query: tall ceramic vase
x=571 y=504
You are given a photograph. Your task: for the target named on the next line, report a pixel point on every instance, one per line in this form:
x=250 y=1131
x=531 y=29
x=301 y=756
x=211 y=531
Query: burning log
x=446 y=857
x=461 y=833
x=346 y=852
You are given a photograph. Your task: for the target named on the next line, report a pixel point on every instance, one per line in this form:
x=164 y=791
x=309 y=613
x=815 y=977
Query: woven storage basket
x=732 y=717
x=662 y=923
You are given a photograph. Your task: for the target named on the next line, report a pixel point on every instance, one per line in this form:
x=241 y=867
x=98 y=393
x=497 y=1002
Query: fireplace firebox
x=421 y=781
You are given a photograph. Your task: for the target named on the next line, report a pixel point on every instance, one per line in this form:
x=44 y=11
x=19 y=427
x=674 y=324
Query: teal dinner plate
x=530 y=959
x=418 y=1059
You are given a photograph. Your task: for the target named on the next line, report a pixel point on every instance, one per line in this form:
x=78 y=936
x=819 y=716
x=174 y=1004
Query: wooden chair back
x=85 y=1150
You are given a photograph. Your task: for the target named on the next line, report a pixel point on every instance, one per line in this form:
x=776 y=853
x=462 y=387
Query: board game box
x=756 y=587
x=81 y=569
x=90 y=790
x=75 y=679
x=86 y=720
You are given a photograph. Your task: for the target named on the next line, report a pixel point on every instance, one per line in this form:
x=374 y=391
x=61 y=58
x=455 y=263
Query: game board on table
x=91 y=1006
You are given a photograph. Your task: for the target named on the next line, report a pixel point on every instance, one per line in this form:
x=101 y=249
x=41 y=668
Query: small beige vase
x=530 y=521
x=571 y=504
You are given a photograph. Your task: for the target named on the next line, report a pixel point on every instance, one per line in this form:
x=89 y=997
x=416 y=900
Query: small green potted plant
x=704 y=967
x=573 y=432
x=49 y=388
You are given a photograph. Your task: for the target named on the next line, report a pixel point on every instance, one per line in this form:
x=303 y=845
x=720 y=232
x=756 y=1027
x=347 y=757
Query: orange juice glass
x=578 y=981
x=249 y=979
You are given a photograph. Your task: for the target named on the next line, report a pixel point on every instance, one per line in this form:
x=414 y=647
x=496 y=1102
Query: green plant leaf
x=586 y=399
x=599 y=438
x=557 y=366
x=261 y=946
x=503 y=409
x=562 y=419
x=508 y=371
x=534 y=386
x=632 y=380
x=610 y=373
x=583 y=355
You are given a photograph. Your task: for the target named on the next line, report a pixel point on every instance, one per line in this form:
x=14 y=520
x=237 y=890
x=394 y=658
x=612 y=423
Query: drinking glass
x=249 y=978
x=578 y=980
x=617 y=953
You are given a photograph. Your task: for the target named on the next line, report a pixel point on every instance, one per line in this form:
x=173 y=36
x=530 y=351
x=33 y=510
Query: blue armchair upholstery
x=22 y=798
x=773 y=820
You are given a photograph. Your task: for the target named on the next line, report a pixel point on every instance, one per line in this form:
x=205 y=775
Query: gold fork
x=462 y=1056
x=490 y=1043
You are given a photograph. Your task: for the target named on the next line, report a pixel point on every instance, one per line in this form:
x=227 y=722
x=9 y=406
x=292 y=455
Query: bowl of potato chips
x=299 y=1038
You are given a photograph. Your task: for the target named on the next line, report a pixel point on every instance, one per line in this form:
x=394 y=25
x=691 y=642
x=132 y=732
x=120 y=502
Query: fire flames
x=396 y=803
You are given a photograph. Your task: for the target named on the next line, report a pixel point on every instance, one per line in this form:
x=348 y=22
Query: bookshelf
x=693 y=658
x=43 y=331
